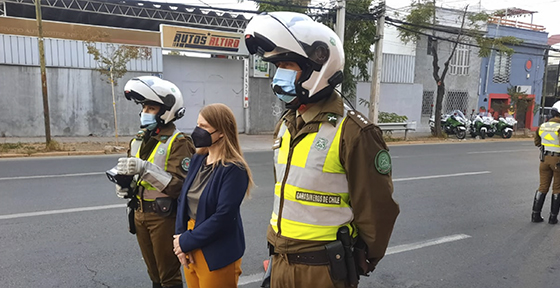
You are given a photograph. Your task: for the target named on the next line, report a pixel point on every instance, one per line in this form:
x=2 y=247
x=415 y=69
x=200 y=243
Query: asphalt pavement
x=464 y=222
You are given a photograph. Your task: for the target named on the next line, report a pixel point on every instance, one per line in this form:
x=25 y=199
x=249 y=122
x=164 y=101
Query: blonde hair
x=221 y=118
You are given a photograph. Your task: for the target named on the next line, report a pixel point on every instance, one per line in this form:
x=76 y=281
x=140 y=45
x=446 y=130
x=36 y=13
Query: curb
x=58 y=153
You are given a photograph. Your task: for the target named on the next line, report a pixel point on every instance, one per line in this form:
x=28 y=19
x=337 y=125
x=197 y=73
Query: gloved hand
x=131 y=166
x=125 y=192
x=122 y=192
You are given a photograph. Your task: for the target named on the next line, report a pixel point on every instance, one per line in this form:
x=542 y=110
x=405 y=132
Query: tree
x=422 y=18
x=520 y=102
x=359 y=35
x=111 y=64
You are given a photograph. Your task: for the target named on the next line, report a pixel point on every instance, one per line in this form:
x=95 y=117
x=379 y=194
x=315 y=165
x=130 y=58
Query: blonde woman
x=210 y=240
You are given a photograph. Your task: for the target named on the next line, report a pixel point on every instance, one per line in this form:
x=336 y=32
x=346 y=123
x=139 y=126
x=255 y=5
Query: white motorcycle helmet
x=556 y=109
x=145 y=89
x=289 y=36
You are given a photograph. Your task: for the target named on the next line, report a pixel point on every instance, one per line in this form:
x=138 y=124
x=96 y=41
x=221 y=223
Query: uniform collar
x=324 y=110
x=555 y=119
x=161 y=133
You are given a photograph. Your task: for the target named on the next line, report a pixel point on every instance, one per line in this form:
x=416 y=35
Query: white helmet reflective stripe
x=154 y=89
x=289 y=36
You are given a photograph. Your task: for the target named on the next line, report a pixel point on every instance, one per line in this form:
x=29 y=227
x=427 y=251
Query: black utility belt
x=313 y=258
x=164 y=206
x=550 y=153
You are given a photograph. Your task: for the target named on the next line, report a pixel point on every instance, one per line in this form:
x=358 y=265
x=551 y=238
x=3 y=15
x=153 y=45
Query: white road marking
x=501 y=151
x=52 y=176
x=441 y=176
x=60 y=211
x=427 y=243
x=244 y=280
x=71 y=210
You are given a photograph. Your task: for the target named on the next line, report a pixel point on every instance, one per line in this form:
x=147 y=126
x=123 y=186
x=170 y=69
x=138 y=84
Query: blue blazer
x=218 y=230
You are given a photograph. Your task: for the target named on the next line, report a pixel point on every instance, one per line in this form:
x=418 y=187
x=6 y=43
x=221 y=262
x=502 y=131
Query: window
x=459 y=64
x=456 y=100
x=502 y=67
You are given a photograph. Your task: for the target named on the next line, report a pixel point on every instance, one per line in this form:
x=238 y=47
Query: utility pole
x=543 y=95
x=340 y=25
x=377 y=65
x=43 y=72
x=341 y=19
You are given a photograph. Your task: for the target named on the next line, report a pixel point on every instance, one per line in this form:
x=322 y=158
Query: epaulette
x=359 y=118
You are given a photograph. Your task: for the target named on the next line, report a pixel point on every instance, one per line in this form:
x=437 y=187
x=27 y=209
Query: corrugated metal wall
x=24 y=50
x=396 y=69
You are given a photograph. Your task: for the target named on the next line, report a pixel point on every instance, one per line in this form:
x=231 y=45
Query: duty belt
x=552 y=153
x=314 y=258
x=148 y=206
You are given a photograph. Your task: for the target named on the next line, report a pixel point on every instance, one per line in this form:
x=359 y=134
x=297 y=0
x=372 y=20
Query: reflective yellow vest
x=549 y=136
x=159 y=156
x=311 y=199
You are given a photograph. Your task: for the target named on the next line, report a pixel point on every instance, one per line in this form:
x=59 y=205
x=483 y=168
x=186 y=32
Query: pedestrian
x=159 y=158
x=210 y=240
x=332 y=166
x=547 y=139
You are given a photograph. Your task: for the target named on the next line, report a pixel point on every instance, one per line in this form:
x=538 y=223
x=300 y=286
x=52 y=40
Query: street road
x=464 y=222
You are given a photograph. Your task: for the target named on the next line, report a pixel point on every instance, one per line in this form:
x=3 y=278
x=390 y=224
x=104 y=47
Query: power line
x=459 y=42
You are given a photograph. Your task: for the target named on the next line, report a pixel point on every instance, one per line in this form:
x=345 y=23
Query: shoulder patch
x=359 y=118
x=185 y=163
x=383 y=162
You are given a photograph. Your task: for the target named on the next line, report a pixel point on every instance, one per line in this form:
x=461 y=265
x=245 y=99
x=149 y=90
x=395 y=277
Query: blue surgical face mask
x=147 y=119
x=284 y=84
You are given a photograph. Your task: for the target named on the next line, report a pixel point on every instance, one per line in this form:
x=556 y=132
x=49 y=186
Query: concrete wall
x=205 y=81
x=80 y=103
x=265 y=108
x=403 y=99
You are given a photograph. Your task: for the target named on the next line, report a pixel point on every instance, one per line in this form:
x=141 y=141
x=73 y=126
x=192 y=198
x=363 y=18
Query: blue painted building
x=524 y=69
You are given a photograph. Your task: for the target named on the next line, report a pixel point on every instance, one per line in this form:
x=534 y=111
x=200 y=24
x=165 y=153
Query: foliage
x=386 y=117
x=359 y=36
x=520 y=102
x=115 y=58
x=421 y=19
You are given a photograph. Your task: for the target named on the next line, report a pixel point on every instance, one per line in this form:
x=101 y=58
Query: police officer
x=159 y=159
x=547 y=138
x=332 y=166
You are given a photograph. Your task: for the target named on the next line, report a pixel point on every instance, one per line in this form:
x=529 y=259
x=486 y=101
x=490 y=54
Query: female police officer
x=159 y=157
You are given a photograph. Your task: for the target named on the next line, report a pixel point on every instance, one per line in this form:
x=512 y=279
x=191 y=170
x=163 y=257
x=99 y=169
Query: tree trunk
x=439 y=100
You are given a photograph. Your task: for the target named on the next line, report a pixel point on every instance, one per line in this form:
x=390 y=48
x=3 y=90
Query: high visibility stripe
x=332 y=162
x=301 y=151
x=313 y=179
x=298 y=230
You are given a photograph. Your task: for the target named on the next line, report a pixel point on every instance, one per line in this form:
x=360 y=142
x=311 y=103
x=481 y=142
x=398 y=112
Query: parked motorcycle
x=454 y=123
x=504 y=126
x=482 y=125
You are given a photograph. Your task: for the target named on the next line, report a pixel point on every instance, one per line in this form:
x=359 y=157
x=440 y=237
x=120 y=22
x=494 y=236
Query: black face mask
x=201 y=137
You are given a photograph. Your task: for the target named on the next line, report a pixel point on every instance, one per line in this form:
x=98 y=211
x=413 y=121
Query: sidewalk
x=249 y=143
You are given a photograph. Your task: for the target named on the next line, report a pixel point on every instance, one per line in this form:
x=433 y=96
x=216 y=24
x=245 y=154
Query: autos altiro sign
x=202 y=40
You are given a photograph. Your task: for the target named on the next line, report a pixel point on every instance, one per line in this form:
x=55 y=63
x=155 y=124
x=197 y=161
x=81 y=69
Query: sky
x=547 y=15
